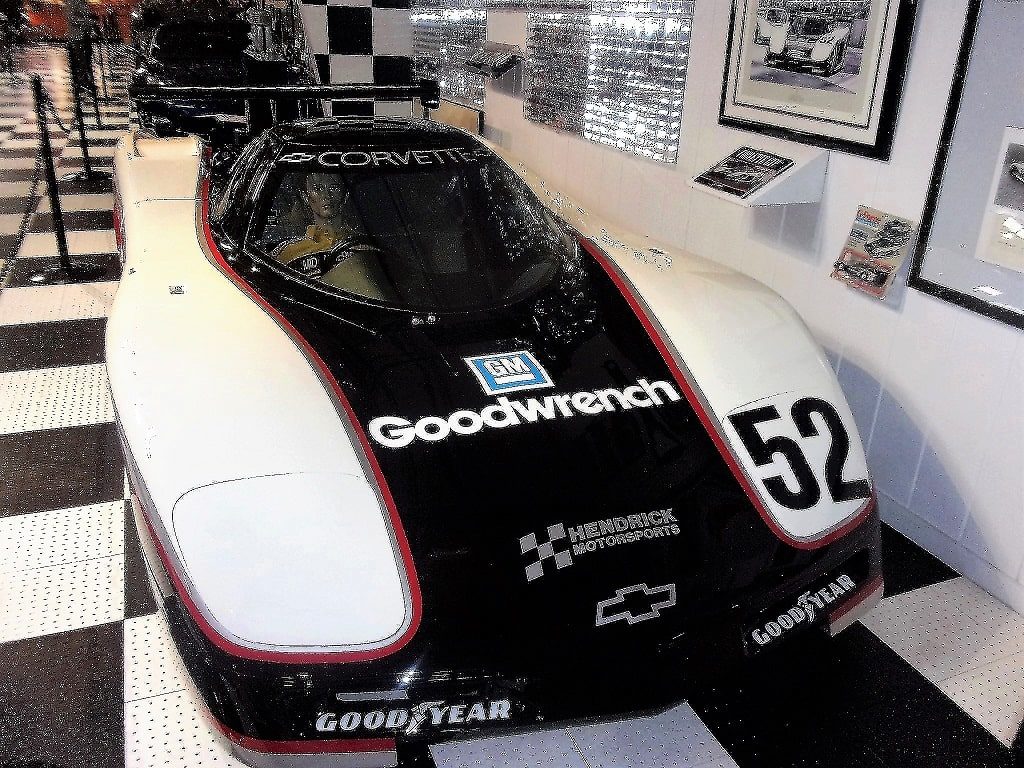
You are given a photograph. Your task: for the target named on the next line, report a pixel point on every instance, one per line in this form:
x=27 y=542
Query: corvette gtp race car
x=421 y=451
x=808 y=40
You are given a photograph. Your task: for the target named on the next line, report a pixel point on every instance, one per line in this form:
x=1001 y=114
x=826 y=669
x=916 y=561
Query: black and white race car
x=421 y=451
x=808 y=41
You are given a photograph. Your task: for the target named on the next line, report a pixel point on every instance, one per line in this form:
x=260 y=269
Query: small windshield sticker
x=358 y=158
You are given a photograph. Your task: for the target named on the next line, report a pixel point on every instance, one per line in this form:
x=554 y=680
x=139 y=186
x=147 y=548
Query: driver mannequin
x=355 y=268
x=326 y=198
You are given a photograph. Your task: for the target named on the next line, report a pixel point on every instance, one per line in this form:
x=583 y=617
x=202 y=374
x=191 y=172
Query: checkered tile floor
x=90 y=677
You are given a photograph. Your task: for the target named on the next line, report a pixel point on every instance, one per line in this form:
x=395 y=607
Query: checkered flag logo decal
x=555 y=549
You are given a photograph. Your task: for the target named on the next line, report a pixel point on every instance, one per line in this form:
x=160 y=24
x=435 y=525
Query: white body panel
x=209 y=389
x=740 y=341
x=297 y=515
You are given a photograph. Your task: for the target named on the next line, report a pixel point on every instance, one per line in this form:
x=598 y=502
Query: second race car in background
x=808 y=40
x=768 y=22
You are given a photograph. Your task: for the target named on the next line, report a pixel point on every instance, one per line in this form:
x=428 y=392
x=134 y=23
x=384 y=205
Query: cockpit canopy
x=441 y=224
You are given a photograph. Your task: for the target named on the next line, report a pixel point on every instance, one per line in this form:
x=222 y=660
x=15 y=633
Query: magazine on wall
x=876 y=247
x=744 y=171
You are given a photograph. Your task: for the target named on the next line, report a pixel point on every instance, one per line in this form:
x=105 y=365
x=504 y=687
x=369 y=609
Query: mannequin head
x=326 y=196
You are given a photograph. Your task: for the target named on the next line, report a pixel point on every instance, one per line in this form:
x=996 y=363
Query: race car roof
x=398 y=133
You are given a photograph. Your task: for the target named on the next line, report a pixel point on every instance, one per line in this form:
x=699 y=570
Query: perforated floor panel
x=49 y=398
x=673 y=739
x=51 y=303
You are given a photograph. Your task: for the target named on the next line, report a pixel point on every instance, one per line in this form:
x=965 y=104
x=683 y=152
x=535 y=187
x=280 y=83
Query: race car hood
x=549 y=452
x=541 y=452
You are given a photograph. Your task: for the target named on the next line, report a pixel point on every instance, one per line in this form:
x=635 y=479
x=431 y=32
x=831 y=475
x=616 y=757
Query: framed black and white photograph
x=822 y=72
x=971 y=248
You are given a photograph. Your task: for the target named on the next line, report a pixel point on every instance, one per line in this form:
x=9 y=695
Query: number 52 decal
x=812 y=477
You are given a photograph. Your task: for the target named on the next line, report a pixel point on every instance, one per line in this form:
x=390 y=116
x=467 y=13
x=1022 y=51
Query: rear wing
x=206 y=110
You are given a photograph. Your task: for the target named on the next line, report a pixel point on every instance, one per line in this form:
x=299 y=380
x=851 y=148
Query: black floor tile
x=21 y=274
x=17 y=174
x=94 y=141
x=138 y=596
x=60 y=468
x=74 y=163
x=74 y=221
x=14 y=204
x=847 y=701
x=19 y=151
x=61 y=700
x=418 y=756
x=907 y=566
x=75 y=187
x=9 y=245
x=51 y=345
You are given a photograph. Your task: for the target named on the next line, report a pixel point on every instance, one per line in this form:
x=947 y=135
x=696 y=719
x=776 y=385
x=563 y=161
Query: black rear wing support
x=427 y=91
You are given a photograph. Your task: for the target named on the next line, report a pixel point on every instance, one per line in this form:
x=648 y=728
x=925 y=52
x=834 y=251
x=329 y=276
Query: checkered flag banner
x=529 y=545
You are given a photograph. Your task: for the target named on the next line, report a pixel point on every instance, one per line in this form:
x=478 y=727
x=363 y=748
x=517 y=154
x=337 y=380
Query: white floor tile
x=540 y=749
x=43 y=539
x=103 y=133
x=15 y=188
x=152 y=664
x=49 y=303
x=89 y=241
x=169 y=731
x=50 y=398
x=79 y=203
x=20 y=144
x=966 y=642
x=61 y=598
x=10 y=223
x=948 y=628
x=676 y=738
x=673 y=739
x=76 y=151
x=16 y=163
x=993 y=695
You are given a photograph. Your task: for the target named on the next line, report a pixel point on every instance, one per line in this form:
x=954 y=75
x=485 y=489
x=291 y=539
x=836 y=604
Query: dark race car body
x=560 y=518
x=206 y=52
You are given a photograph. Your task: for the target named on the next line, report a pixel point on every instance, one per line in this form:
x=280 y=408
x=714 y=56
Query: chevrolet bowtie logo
x=635 y=604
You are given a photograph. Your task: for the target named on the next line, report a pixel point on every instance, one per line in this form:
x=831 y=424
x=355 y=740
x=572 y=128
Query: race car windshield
x=457 y=231
x=809 y=25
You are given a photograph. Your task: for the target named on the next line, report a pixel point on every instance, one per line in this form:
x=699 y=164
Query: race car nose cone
x=293 y=563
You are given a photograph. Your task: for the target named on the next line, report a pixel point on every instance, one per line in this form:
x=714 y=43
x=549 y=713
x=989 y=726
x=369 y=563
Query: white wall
x=938 y=392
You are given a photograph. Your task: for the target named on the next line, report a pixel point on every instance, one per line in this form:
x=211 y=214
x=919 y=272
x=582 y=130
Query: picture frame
x=959 y=256
x=827 y=73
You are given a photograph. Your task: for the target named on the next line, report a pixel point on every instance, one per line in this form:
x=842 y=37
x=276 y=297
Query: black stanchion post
x=83 y=140
x=88 y=175
x=51 y=176
x=66 y=272
x=90 y=81
x=100 y=49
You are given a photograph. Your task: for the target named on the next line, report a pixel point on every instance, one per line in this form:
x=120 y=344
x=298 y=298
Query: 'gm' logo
x=508 y=372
